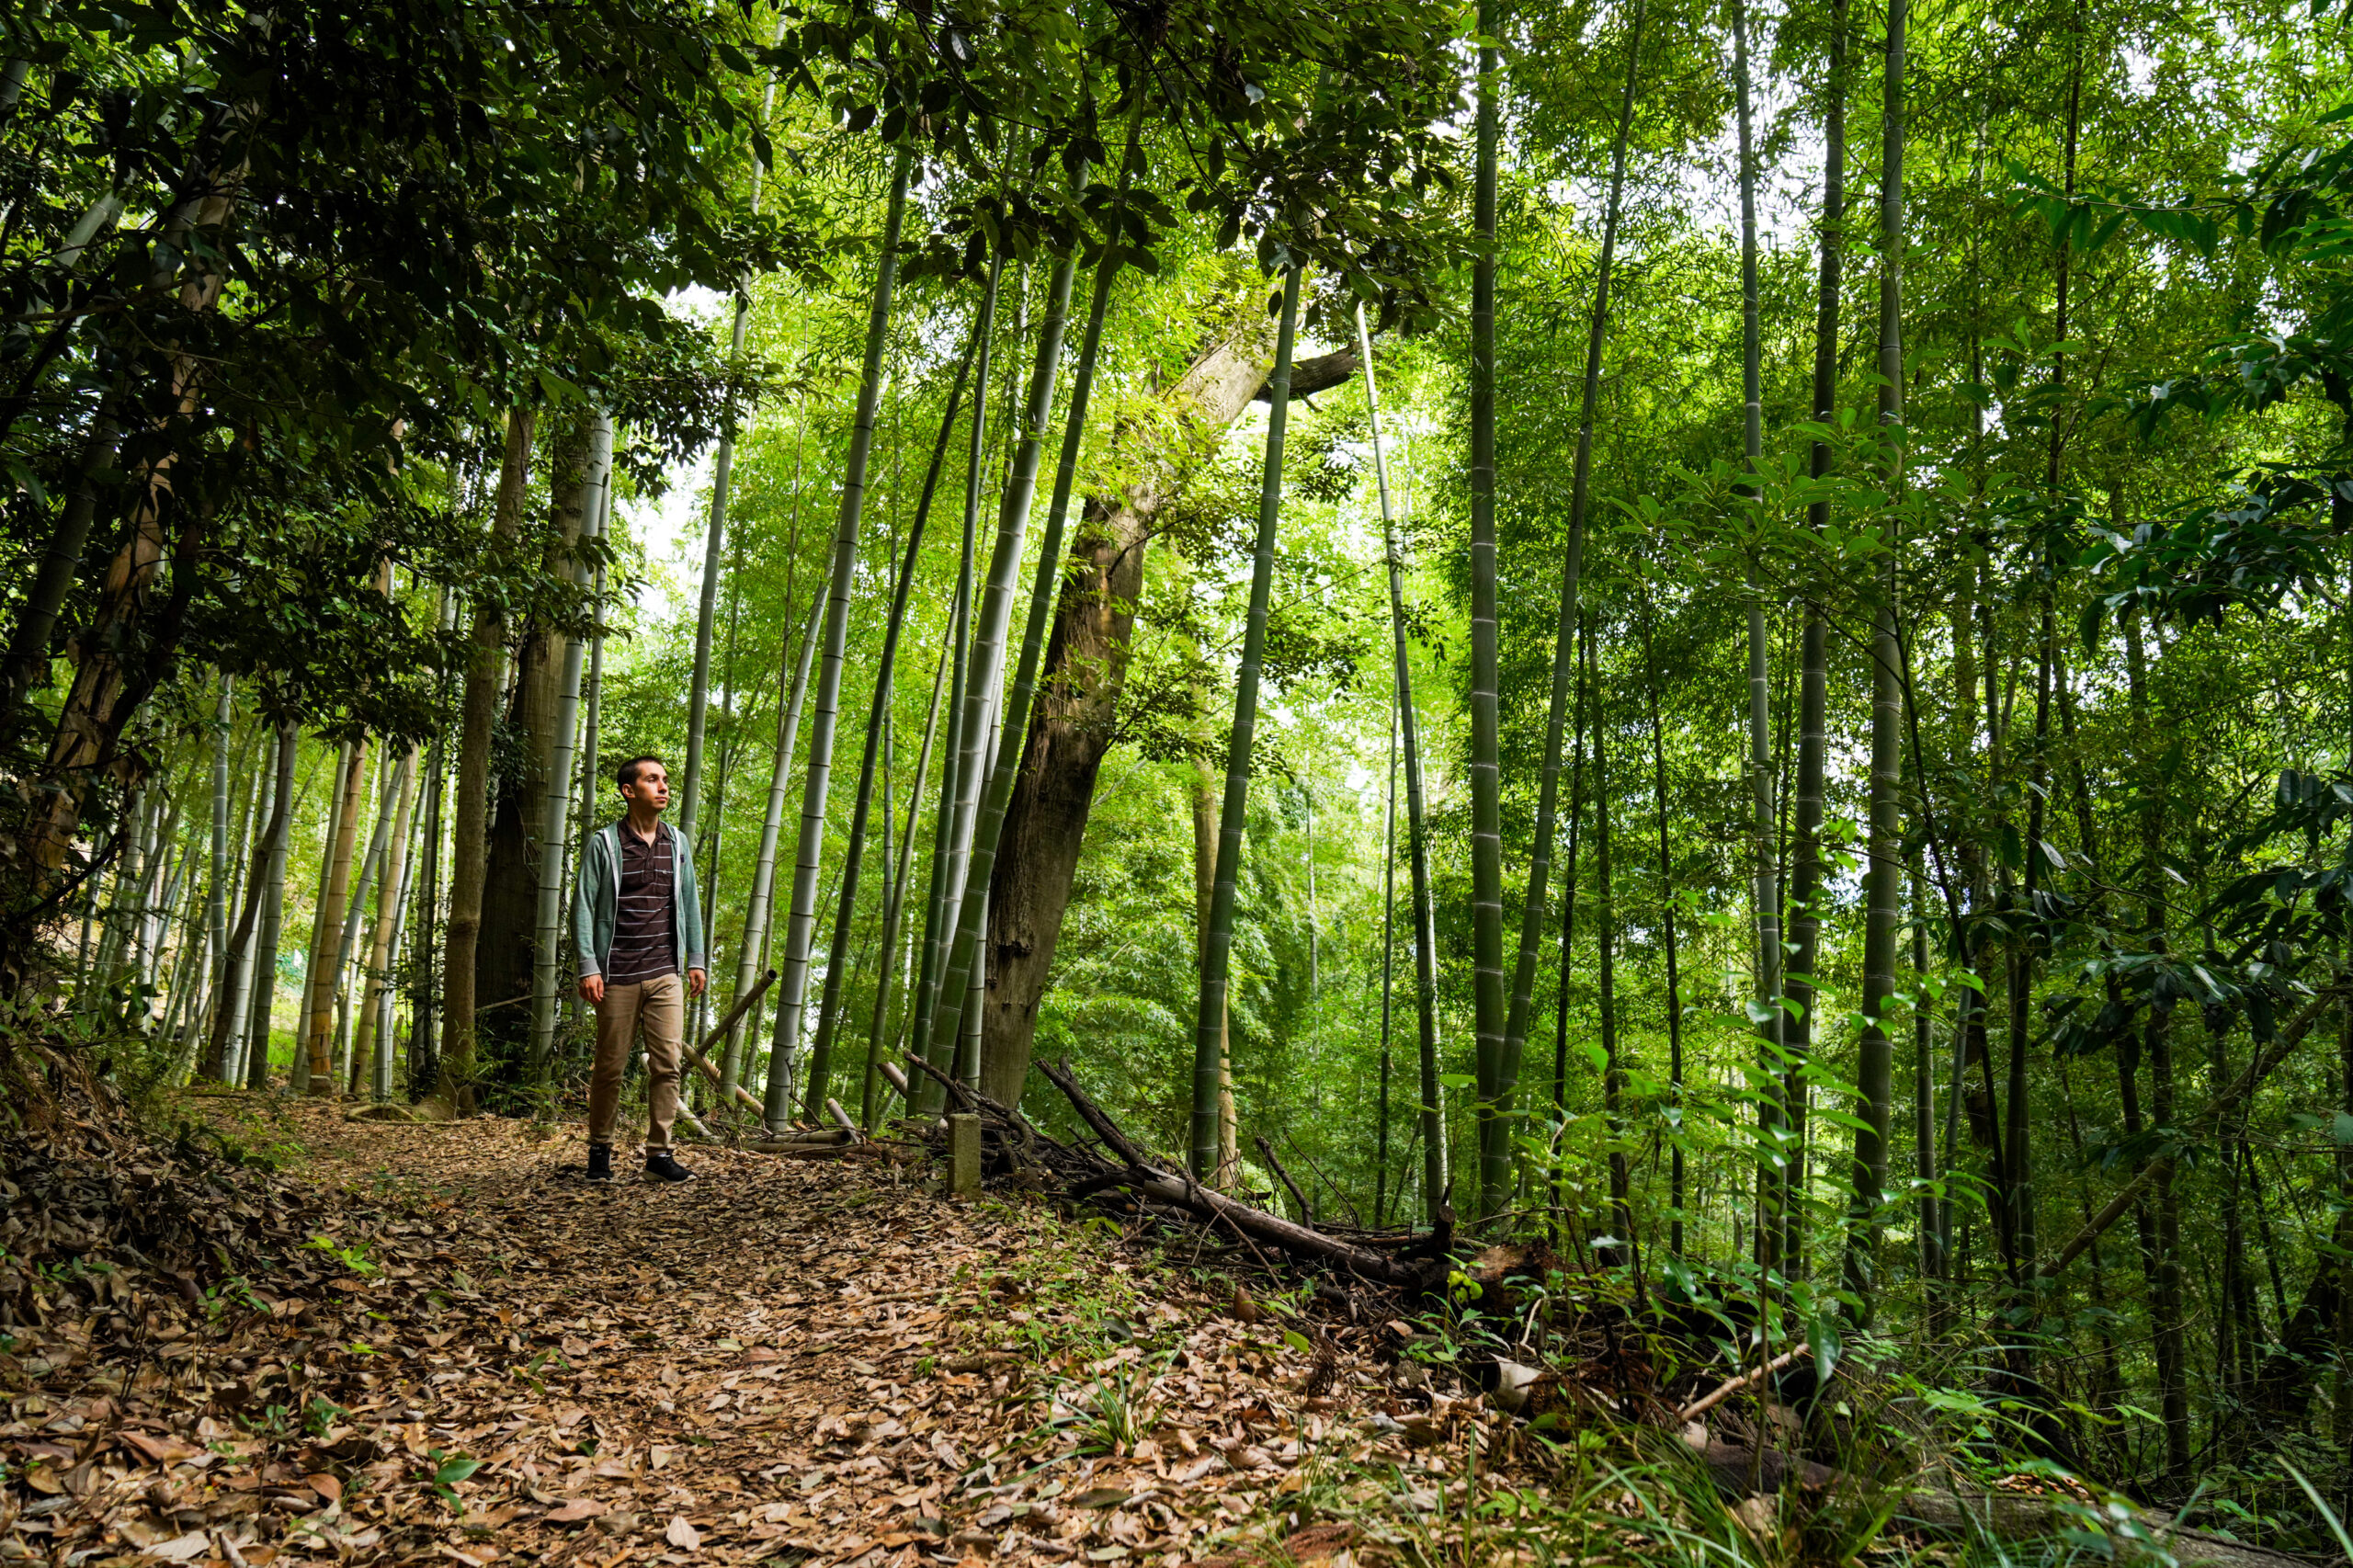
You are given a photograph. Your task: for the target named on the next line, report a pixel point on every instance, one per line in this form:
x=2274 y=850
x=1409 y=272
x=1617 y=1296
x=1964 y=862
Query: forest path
x=804 y=1362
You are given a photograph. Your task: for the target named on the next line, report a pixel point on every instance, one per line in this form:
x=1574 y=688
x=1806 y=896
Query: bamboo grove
x=1722 y=633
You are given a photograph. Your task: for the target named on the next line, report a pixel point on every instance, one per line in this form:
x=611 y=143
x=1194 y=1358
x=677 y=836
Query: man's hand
x=696 y=982
x=592 y=989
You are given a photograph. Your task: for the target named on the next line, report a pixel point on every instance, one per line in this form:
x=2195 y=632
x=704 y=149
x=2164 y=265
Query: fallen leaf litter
x=436 y=1344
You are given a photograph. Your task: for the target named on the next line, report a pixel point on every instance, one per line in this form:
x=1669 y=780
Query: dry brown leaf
x=158 y=1449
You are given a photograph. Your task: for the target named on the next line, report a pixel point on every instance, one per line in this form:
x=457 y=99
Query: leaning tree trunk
x=1208 y=1027
x=1073 y=720
x=468 y=846
x=981 y=642
x=1497 y=1128
x=802 y=919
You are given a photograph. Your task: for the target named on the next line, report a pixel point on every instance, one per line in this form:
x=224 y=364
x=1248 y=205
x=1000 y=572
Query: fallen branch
x=1705 y=1402
x=700 y=1059
x=1255 y=1224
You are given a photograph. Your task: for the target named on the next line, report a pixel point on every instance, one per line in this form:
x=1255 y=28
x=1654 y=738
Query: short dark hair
x=628 y=774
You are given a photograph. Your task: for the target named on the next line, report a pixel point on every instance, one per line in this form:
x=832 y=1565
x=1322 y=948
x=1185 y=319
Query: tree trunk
x=131 y=634
x=216 y=890
x=554 y=814
x=982 y=644
x=1613 y=1067
x=505 y=957
x=1765 y=886
x=273 y=924
x=1406 y=732
x=368 y=871
x=469 y=850
x=1209 y=1019
x=1882 y=883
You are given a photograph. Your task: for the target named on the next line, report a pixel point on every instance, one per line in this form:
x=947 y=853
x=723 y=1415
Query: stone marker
x=963 y=1157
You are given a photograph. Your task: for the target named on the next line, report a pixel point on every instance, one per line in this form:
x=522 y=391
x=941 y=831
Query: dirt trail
x=472 y=1355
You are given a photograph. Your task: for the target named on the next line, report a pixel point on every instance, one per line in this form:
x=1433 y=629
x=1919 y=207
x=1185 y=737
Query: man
x=637 y=926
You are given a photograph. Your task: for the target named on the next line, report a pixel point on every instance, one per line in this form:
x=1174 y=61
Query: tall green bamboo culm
x=1489 y=1001
x=216 y=890
x=751 y=956
x=821 y=1050
x=895 y=902
x=982 y=682
x=1021 y=695
x=1217 y=945
x=1765 y=882
x=945 y=898
x=1785 y=1250
x=233 y=1001
x=793 y=973
x=715 y=536
x=1432 y=1113
x=1495 y=1172
x=982 y=698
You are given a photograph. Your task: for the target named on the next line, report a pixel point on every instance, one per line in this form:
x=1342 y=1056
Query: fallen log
x=1144 y=1177
x=1742 y=1470
x=2012 y=1515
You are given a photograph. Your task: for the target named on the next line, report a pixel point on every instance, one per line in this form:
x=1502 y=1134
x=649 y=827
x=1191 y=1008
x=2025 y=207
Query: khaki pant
x=660 y=1006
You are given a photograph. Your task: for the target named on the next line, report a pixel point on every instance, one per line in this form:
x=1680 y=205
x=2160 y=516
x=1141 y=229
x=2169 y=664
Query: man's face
x=650 y=788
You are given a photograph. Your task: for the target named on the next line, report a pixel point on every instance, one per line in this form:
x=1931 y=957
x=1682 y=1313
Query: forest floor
x=438 y=1343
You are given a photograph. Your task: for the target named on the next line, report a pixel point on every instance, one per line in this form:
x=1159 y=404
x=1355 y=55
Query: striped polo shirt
x=646 y=941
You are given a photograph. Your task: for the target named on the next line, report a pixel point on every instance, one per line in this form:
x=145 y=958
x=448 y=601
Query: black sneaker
x=661 y=1167
x=600 y=1162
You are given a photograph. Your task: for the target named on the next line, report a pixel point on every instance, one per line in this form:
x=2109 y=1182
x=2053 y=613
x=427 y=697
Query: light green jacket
x=595 y=904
